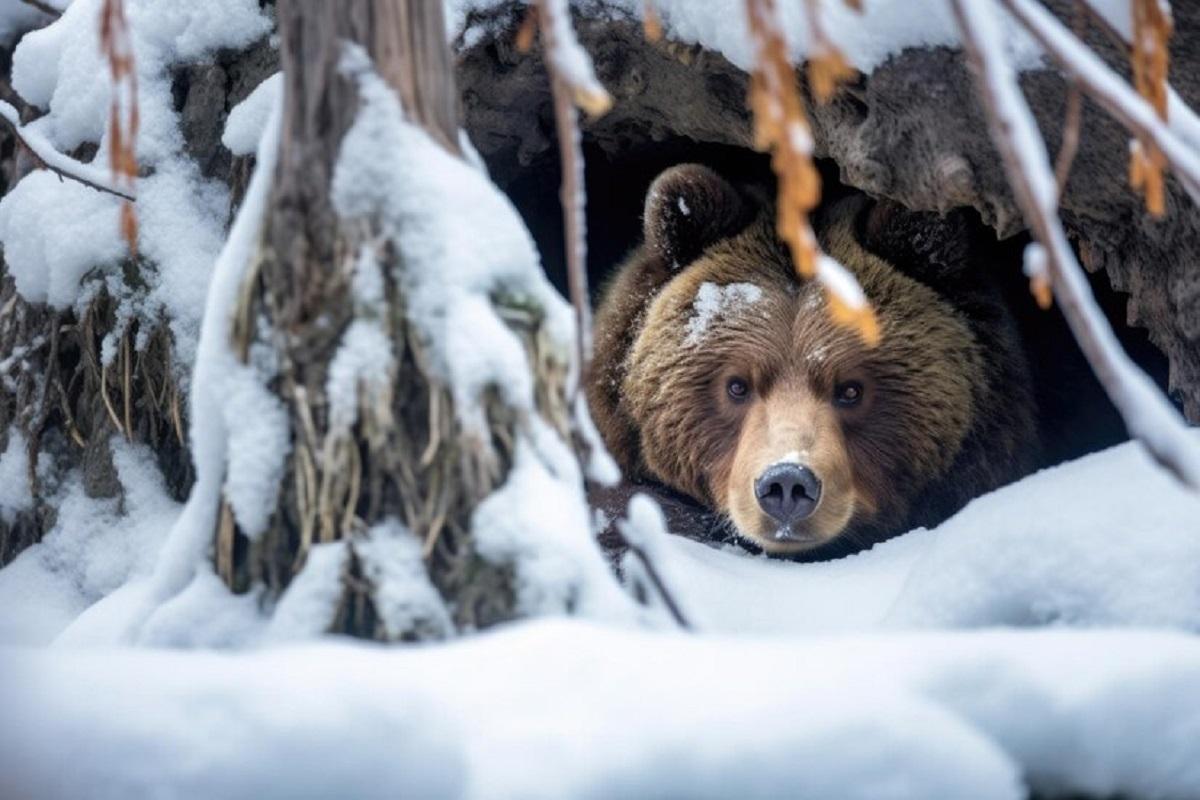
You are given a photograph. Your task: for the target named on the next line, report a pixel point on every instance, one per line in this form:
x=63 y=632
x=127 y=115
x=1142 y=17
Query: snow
x=248 y=118
x=1044 y=637
x=558 y=566
x=95 y=547
x=1061 y=547
x=406 y=600
x=16 y=492
x=558 y=709
x=48 y=261
x=715 y=302
x=883 y=29
x=363 y=369
x=840 y=282
x=55 y=232
x=308 y=606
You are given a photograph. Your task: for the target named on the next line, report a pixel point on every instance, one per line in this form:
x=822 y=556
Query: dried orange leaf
x=651 y=23
x=525 y=33
x=1039 y=287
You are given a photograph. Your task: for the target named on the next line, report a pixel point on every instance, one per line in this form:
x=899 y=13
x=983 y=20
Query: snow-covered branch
x=1112 y=93
x=62 y=165
x=1148 y=415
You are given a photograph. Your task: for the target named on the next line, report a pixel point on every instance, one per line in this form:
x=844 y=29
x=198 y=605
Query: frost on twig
x=1148 y=415
x=780 y=127
x=62 y=165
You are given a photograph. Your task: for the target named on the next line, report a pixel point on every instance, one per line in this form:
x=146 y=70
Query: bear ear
x=688 y=207
x=929 y=246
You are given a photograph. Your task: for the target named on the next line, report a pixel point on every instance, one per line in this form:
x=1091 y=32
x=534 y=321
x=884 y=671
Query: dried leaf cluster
x=781 y=128
x=1149 y=57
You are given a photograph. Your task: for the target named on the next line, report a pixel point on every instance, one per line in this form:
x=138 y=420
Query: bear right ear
x=688 y=207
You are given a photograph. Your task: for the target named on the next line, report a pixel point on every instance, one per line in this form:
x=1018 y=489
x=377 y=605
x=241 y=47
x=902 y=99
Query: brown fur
x=946 y=413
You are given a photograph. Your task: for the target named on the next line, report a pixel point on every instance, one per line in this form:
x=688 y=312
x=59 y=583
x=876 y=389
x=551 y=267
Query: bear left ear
x=688 y=207
x=929 y=246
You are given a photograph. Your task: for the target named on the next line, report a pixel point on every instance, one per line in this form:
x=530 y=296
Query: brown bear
x=719 y=374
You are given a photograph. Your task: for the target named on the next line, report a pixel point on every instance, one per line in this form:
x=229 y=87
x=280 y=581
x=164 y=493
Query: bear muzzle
x=788 y=493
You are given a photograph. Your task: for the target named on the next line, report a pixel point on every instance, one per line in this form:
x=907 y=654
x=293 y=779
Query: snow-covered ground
x=945 y=663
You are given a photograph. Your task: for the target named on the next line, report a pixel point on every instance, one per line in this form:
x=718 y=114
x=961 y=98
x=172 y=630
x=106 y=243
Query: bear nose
x=788 y=492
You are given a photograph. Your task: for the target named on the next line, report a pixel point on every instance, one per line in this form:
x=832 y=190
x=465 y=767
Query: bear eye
x=848 y=394
x=738 y=389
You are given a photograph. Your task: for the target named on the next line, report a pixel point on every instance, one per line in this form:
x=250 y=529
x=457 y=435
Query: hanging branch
x=117 y=47
x=1112 y=94
x=572 y=83
x=781 y=128
x=1148 y=415
x=61 y=165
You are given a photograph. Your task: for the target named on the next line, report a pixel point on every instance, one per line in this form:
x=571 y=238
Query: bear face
x=721 y=375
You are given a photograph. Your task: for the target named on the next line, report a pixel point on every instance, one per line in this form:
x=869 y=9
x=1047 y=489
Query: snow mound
x=573 y=710
x=1057 y=548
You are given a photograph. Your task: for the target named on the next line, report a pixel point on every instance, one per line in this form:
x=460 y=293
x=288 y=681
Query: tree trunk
x=406 y=457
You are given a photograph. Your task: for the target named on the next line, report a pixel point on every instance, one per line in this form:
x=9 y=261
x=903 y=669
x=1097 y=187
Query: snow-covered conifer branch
x=62 y=165
x=1112 y=93
x=1148 y=415
x=781 y=127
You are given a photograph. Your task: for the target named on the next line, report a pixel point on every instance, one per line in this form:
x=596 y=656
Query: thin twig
x=1074 y=116
x=571 y=85
x=656 y=580
x=45 y=8
x=1148 y=415
x=1108 y=89
x=62 y=165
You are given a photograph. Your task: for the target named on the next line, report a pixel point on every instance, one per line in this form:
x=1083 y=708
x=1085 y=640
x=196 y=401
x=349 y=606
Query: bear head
x=722 y=375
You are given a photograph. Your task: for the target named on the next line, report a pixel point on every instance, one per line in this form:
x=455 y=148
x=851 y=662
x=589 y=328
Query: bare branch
x=659 y=586
x=572 y=81
x=1074 y=115
x=45 y=8
x=62 y=165
x=1148 y=415
x=1109 y=90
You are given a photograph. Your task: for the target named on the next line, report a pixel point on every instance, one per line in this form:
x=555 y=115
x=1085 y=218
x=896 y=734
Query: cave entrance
x=1075 y=416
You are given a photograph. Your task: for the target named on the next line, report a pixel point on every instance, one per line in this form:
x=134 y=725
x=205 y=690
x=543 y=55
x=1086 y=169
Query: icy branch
x=1112 y=93
x=1147 y=414
x=56 y=162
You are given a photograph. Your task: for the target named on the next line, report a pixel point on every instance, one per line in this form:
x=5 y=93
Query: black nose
x=788 y=492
